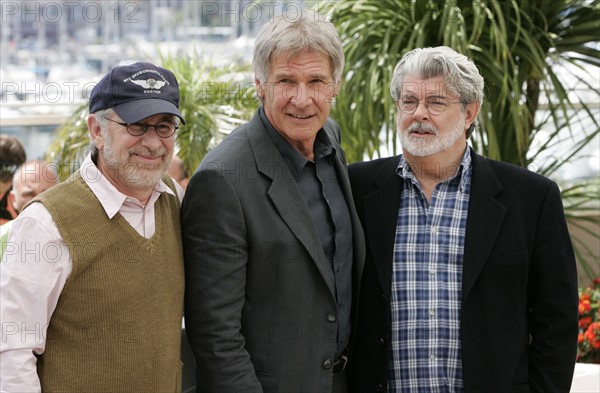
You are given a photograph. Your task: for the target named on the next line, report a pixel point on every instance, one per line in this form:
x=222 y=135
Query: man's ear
x=95 y=131
x=471 y=111
x=260 y=89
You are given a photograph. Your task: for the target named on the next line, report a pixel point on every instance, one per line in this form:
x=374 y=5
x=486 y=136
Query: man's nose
x=301 y=95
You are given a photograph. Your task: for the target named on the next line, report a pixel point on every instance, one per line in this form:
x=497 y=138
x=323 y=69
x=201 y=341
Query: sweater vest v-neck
x=117 y=323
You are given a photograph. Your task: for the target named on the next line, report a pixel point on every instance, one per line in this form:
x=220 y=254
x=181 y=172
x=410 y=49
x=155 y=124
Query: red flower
x=584 y=306
x=585 y=322
x=588 y=340
x=592 y=335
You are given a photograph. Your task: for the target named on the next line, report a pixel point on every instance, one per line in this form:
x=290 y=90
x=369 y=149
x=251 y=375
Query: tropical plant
x=214 y=100
x=537 y=57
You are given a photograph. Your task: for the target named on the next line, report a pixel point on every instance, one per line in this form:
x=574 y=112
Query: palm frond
x=530 y=107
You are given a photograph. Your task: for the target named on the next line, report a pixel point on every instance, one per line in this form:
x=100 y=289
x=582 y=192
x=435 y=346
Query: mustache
x=422 y=126
x=144 y=151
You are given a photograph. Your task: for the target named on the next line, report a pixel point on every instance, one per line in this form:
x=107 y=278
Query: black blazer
x=519 y=292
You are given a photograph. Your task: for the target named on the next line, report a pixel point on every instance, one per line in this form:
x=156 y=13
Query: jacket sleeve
x=216 y=256
x=553 y=301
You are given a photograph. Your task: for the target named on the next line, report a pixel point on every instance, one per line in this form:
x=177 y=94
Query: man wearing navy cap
x=91 y=290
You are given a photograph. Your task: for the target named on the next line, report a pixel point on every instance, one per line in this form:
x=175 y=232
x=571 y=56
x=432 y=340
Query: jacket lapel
x=358 y=236
x=381 y=216
x=484 y=221
x=287 y=198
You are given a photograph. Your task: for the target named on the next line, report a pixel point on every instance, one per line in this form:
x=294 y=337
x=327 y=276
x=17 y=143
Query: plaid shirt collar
x=404 y=171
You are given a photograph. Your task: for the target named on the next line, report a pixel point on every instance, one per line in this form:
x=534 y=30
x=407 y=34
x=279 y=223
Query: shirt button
x=434 y=230
x=331 y=317
x=432 y=312
x=381 y=341
x=432 y=357
x=432 y=271
x=327 y=363
x=380 y=388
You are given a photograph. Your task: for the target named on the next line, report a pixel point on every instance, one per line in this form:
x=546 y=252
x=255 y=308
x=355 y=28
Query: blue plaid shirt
x=426 y=283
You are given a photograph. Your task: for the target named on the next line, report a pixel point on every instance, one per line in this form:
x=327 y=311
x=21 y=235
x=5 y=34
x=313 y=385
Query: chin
x=421 y=151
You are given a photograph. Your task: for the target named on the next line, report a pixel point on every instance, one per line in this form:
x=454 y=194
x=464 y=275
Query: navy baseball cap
x=137 y=91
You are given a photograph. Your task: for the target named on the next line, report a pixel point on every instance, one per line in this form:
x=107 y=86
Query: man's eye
x=436 y=104
x=165 y=127
x=137 y=127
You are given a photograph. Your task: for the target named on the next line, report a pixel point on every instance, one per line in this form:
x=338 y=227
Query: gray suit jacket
x=259 y=289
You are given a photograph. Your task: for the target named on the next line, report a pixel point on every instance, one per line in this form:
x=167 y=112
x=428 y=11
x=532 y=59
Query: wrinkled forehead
x=305 y=59
x=415 y=86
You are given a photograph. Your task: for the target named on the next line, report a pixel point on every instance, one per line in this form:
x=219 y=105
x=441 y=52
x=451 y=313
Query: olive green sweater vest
x=117 y=324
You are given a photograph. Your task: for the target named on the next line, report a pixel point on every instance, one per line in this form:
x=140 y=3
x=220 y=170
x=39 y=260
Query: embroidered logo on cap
x=152 y=84
x=149 y=83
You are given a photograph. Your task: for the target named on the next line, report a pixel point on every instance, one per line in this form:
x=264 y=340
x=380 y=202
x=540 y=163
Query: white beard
x=423 y=147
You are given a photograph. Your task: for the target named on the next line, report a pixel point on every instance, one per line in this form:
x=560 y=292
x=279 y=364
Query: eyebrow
x=285 y=75
x=426 y=97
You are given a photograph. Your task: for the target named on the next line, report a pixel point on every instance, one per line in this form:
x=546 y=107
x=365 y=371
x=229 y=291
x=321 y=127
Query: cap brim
x=134 y=111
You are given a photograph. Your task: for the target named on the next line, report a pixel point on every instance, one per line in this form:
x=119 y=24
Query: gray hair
x=101 y=118
x=291 y=36
x=460 y=73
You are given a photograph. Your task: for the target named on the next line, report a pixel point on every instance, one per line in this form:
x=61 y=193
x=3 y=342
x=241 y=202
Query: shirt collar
x=296 y=161
x=464 y=170
x=109 y=197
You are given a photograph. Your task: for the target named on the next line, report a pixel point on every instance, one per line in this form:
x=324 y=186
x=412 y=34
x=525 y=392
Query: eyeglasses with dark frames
x=433 y=106
x=164 y=129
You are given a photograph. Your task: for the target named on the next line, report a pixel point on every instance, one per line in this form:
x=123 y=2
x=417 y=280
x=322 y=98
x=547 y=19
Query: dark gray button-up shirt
x=319 y=183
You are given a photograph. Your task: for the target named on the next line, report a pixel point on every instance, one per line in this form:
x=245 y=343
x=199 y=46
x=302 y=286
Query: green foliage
x=517 y=47
x=70 y=143
x=528 y=52
x=214 y=100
